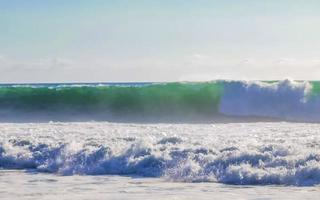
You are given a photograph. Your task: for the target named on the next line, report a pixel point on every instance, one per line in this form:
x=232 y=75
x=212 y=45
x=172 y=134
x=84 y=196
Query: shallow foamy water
x=97 y=160
x=21 y=185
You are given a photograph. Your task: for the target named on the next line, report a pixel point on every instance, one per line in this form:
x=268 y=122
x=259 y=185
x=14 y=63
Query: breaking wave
x=282 y=100
x=265 y=164
x=287 y=100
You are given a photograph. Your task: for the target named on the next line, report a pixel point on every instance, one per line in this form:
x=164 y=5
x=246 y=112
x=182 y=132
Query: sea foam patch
x=244 y=154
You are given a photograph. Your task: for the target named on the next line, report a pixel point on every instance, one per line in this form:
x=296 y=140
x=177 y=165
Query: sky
x=158 y=40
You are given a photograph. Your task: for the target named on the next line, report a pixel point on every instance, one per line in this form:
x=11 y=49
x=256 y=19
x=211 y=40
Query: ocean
x=210 y=140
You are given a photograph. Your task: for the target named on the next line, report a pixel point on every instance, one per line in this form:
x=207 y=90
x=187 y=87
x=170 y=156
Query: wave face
x=284 y=100
x=114 y=101
x=246 y=154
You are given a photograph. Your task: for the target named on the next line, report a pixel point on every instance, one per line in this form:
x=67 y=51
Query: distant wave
x=269 y=164
x=281 y=100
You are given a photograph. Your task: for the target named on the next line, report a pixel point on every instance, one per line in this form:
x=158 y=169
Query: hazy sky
x=158 y=40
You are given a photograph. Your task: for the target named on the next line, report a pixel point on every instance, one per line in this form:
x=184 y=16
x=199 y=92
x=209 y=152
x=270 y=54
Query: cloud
x=7 y=64
x=192 y=67
x=286 y=61
x=62 y=62
x=248 y=61
x=199 y=56
x=296 y=63
x=2 y=58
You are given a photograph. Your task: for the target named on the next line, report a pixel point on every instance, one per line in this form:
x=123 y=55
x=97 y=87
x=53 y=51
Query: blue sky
x=167 y=40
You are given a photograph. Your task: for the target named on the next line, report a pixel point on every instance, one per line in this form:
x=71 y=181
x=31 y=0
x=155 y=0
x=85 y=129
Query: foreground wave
x=284 y=100
x=254 y=154
x=268 y=165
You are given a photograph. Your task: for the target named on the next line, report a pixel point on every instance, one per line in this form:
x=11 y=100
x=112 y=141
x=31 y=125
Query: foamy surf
x=240 y=153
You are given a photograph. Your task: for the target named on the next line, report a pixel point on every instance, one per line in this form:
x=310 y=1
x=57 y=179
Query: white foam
x=247 y=153
x=287 y=99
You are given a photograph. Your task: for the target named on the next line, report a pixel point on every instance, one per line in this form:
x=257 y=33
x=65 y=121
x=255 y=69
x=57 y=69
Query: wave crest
x=287 y=100
x=166 y=102
x=271 y=164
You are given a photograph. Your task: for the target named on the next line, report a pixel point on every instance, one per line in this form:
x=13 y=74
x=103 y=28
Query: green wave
x=155 y=99
x=179 y=101
x=315 y=87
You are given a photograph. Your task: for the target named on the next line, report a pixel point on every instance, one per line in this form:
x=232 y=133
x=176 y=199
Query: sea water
x=214 y=140
x=101 y=160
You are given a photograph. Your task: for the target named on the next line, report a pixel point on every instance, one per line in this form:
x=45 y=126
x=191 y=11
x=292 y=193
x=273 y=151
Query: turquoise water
x=288 y=100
